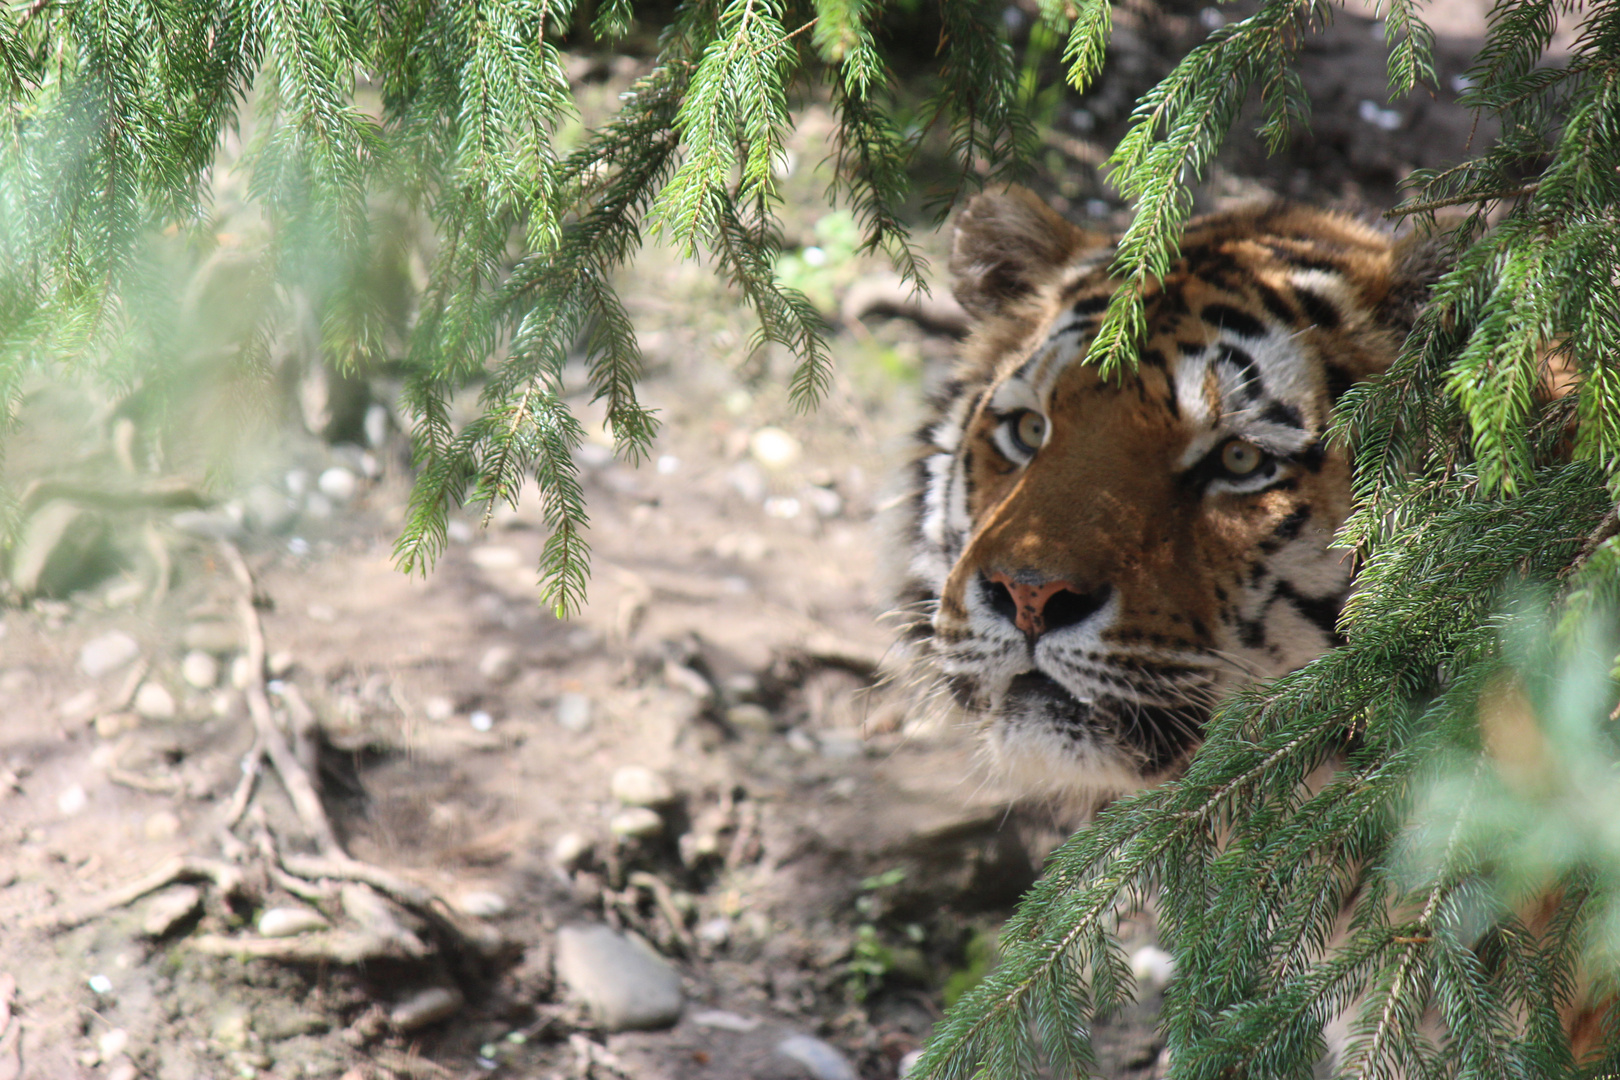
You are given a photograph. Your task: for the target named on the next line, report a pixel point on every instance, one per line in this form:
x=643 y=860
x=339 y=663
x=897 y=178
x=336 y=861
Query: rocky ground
x=270 y=808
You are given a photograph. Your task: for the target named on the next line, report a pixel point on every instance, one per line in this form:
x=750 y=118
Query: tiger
x=1094 y=562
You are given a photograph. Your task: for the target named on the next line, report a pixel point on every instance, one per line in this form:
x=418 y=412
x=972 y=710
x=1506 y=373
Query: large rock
x=624 y=983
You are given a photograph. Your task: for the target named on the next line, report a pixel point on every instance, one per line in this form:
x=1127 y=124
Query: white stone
x=154 y=701
x=774 y=448
x=290 y=921
x=112 y=1043
x=481 y=720
x=499 y=664
x=279 y=665
x=72 y=800
x=725 y=1021
x=621 y=980
x=376 y=424
x=1153 y=967
x=338 y=484
x=574 y=712
x=482 y=903
x=909 y=1062
x=636 y=823
x=571 y=851
x=633 y=785
x=199 y=670
x=714 y=932
x=241 y=673
x=439 y=708
x=107 y=653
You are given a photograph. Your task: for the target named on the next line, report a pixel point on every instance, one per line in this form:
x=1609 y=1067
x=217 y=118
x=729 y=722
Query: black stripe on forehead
x=1230 y=318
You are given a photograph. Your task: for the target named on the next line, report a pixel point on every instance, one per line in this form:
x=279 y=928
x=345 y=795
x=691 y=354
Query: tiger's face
x=1098 y=561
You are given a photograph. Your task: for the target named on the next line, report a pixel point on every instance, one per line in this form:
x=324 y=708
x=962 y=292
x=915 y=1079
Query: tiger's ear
x=1420 y=258
x=1006 y=244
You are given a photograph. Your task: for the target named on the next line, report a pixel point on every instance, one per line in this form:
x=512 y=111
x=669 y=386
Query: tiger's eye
x=1029 y=430
x=1241 y=457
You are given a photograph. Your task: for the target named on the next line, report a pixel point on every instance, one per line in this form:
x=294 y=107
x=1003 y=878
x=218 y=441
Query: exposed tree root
x=357 y=895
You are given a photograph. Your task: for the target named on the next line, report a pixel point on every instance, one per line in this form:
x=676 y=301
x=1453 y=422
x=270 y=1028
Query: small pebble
x=633 y=785
x=774 y=448
x=714 y=932
x=636 y=823
x=162 y=825
x=100 y=984
x=107 y=653
x=376 y=424
x=113 y=724
x=80 y=705
x=840 y=746
x=280 y=664
x=154 y=701
x=297 y=481
x=241 y=673
x=199 y=670
x=169 y=908
x=426 y=1007
x=574 y=712
x=481 y=720
x=112 y=1043
x=123 y=1069
x=72 y=800
x=1153 y=967
x=482 y=904
x=820 y=1059
x=338 y=484
x=909 y=1062
x=499 y=664
x=290 y=921
x=439 y=708
x=751 y=718
x=725 y=1021
x=571 y=851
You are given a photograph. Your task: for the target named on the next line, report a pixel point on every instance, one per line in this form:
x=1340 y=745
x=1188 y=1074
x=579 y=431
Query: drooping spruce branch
x=117 y=114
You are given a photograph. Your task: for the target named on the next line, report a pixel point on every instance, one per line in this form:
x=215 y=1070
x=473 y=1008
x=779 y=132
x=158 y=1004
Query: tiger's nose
x=1040 y=609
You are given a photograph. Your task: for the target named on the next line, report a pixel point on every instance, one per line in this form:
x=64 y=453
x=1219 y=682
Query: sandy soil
x=831 y=860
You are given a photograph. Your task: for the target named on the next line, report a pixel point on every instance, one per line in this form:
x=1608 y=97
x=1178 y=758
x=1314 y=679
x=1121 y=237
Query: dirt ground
x=826 y=857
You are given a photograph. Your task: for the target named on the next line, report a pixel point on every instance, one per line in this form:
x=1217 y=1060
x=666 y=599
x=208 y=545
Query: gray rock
x=426 y=1007
x=622 y=981
x=574 y=712
x=636 y=786
x=106 y=653
x=499 y=665
x=821 y=1060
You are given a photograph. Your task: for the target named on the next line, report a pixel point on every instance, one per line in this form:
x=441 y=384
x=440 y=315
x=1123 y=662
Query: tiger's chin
x=1050 y=743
